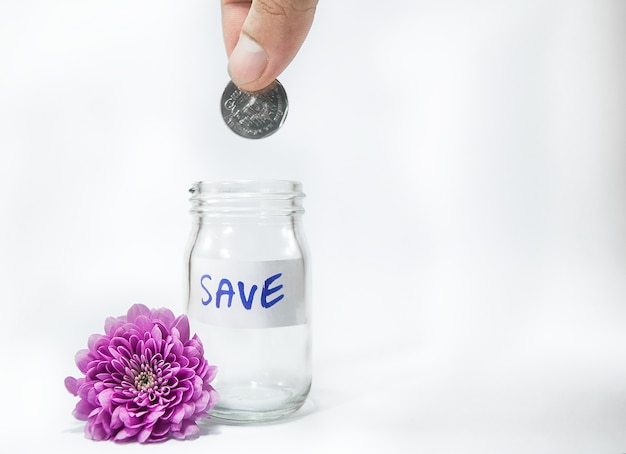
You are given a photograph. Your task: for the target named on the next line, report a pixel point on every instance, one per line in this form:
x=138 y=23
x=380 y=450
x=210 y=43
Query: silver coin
x=254 y=115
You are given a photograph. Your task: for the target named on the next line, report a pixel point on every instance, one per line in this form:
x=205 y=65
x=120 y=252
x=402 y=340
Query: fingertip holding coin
x=254 y=115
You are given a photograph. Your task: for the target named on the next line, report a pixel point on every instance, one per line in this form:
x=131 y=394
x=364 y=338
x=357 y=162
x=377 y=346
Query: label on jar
x=243 y=294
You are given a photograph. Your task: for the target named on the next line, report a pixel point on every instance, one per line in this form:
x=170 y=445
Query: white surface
x=465 y=168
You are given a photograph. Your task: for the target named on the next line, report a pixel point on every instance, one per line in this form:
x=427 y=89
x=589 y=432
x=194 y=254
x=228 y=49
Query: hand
x=262 y=37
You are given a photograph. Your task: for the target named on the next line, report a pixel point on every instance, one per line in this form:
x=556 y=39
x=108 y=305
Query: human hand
x=262 y=37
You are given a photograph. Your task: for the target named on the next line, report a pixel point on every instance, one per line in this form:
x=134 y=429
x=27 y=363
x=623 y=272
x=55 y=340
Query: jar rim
x=246 y=198
x=250 y=188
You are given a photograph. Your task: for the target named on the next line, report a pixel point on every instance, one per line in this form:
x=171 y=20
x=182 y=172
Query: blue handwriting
x=225 y=289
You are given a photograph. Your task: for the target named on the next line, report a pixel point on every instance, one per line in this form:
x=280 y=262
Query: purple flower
x=145 y=379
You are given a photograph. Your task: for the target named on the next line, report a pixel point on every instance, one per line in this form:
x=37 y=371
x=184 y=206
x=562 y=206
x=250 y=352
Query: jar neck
x=246 y=198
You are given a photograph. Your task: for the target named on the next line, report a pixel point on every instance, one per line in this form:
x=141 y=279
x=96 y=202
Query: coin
x=254 y=115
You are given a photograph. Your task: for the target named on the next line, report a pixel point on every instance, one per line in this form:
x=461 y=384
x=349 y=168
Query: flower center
x=144 y=380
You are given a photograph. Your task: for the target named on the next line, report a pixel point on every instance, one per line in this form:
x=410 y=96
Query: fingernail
x=247 y=61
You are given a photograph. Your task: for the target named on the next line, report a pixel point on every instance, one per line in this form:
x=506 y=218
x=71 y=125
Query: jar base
x=244 y=404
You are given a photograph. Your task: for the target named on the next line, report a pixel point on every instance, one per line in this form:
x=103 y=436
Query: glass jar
x=248 y=295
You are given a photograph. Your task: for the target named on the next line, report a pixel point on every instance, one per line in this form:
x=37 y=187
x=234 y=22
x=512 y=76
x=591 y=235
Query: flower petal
x=93 y=340
x=153 y=416
x=197 y=386
x=144 y=435
x=182 y=325
x=116 y=422
x=71 y=384
x=188 y=429
x=157 y=337
x=178 y=415
x=190 y=409
x=144 y=324
x=82 y=410
x=185 y=373
x=202 y=402
x=105 y=397
x=135 y=311
x=211 y=373
x=214 y=398
x=96 y=431
x=111 y=324
x=160 y=429
x=164 y=316
x=129 y=420
x=82 y=358
x=126 y=434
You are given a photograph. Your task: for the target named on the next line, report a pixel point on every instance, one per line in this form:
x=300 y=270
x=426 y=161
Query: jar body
x=248 y=295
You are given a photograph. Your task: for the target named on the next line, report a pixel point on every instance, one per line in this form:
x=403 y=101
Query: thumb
x=271 y=35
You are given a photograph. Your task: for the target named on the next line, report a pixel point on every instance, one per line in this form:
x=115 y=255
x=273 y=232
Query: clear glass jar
x=248 y=295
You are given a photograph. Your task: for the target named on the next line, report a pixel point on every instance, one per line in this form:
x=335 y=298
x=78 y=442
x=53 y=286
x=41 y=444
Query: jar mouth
x=247 y=197
x=249 y=188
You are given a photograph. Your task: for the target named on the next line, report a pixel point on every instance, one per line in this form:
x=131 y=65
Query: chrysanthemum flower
x=145 y=379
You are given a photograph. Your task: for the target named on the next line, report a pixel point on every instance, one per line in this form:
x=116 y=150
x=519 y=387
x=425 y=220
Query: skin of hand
x=262 y=37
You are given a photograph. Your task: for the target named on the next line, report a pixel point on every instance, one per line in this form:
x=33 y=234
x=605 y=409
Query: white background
x=465 y=171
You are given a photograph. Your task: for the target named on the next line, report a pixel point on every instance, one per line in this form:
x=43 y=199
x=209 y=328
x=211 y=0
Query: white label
x=239 y=294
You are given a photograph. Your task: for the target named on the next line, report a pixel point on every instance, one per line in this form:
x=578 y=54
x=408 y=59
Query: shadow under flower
x=79 y=428
x=208 y=426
